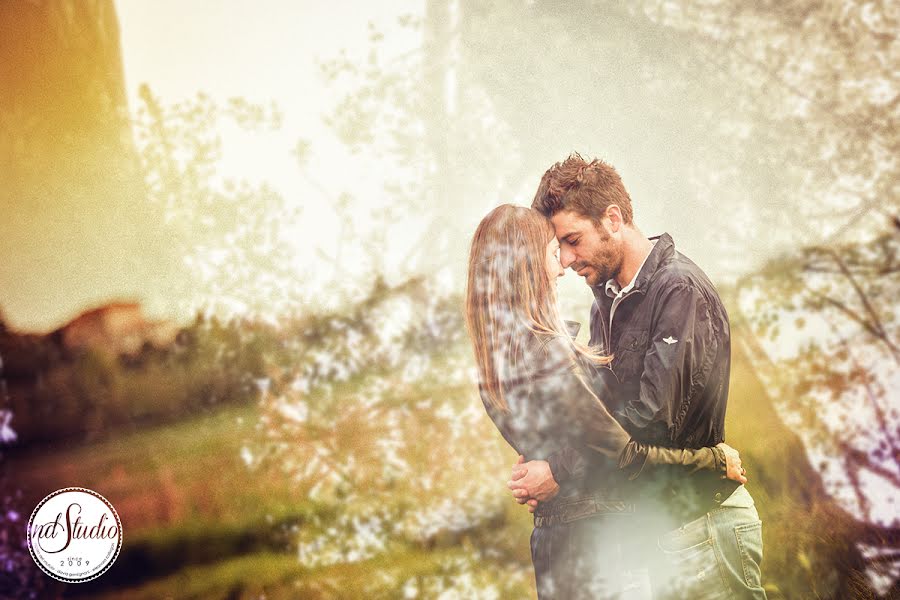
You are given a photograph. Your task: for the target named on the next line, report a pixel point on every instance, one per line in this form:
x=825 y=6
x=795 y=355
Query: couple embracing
x=633 y=491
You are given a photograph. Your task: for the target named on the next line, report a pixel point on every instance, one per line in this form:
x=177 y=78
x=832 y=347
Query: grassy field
x=168 y=475
x=198 y=523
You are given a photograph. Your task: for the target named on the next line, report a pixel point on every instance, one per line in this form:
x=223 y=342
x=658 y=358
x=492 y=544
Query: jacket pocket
x=629 y=354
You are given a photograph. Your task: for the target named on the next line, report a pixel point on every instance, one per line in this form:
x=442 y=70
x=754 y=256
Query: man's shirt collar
x=612 y=286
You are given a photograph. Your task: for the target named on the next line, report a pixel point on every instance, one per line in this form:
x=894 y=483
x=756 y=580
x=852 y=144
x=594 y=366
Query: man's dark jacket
x=671 y=346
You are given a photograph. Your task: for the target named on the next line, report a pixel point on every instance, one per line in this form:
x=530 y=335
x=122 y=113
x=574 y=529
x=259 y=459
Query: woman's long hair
x=509 y=294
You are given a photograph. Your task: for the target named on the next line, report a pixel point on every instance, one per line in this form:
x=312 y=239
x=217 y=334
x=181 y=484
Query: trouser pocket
x=737 y=532
x=688 y=564
x=749 y=541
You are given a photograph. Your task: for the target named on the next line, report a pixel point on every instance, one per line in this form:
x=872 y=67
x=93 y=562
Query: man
x=661 y=318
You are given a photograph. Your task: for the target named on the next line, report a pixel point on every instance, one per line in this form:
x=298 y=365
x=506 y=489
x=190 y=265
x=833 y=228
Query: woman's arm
x=570 y=413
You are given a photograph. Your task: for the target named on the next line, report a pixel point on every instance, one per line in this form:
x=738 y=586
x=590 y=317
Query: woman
x=532 y=380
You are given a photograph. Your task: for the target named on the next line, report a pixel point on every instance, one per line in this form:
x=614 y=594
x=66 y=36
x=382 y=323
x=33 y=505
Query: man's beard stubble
x=605 y=265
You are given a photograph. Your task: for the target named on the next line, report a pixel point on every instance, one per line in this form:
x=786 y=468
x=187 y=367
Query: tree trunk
x=75 y=216
x=810 y=541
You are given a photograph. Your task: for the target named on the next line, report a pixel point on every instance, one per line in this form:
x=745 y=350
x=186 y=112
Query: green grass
x=276 y=576
x=166 y=475
x=197 y=523
x=182 y=492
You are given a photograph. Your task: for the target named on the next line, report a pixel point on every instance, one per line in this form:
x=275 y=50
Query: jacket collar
x=661 y=252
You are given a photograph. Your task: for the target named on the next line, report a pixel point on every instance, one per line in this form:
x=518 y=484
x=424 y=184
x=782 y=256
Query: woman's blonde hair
x=509 y=294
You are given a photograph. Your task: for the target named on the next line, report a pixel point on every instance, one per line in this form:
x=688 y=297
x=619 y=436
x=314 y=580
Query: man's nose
x=566 y=257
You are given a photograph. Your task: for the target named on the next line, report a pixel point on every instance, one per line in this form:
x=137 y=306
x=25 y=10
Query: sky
x=269 y=51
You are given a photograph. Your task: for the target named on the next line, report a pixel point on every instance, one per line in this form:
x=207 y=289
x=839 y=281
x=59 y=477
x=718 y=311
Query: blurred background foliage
x=292 y=441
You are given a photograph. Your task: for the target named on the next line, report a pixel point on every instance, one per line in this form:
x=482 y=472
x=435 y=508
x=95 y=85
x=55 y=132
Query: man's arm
x=532 y=482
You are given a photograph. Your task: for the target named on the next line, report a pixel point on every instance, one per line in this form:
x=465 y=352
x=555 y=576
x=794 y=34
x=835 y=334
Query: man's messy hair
x=587 y=188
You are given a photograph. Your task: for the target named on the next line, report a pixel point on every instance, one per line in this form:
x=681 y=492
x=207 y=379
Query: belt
x=573 y=510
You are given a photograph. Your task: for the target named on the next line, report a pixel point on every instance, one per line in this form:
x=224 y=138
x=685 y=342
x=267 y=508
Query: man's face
x=594 y=252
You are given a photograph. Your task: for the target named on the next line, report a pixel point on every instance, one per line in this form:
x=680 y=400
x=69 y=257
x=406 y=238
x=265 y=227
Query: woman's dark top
x=552 y=411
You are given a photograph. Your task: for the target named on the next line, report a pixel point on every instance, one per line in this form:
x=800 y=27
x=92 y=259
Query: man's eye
x=573 y=242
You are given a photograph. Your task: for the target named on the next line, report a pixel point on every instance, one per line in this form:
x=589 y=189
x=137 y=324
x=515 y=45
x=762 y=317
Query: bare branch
x=858 y=459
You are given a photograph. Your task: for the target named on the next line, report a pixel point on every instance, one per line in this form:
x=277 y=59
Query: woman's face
x=554 y=268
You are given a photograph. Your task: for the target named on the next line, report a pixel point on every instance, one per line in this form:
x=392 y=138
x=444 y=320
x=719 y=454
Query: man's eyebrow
x=566 y=237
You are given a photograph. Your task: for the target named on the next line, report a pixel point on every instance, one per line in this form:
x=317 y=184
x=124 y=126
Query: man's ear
x=614 y=214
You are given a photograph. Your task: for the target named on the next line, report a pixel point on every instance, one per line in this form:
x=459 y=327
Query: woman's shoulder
x=541 y=346
x=549 y=355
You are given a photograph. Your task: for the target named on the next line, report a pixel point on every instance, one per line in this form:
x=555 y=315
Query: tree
x=66 y=160
x=70 y=182
x=229 y=242
x=827 y=317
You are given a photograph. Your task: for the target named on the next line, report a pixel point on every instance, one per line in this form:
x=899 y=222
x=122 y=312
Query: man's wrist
x=721 y=461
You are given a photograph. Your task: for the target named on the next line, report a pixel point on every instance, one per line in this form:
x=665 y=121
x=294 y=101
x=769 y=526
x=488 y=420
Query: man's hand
x=733 y=463
x=532 y=482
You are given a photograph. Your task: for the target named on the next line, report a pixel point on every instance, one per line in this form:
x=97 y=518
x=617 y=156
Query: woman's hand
x=532 y=482
x=734 y=470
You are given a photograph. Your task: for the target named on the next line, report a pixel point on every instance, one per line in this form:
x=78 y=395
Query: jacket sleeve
x=568 y=412
x=677 y=363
